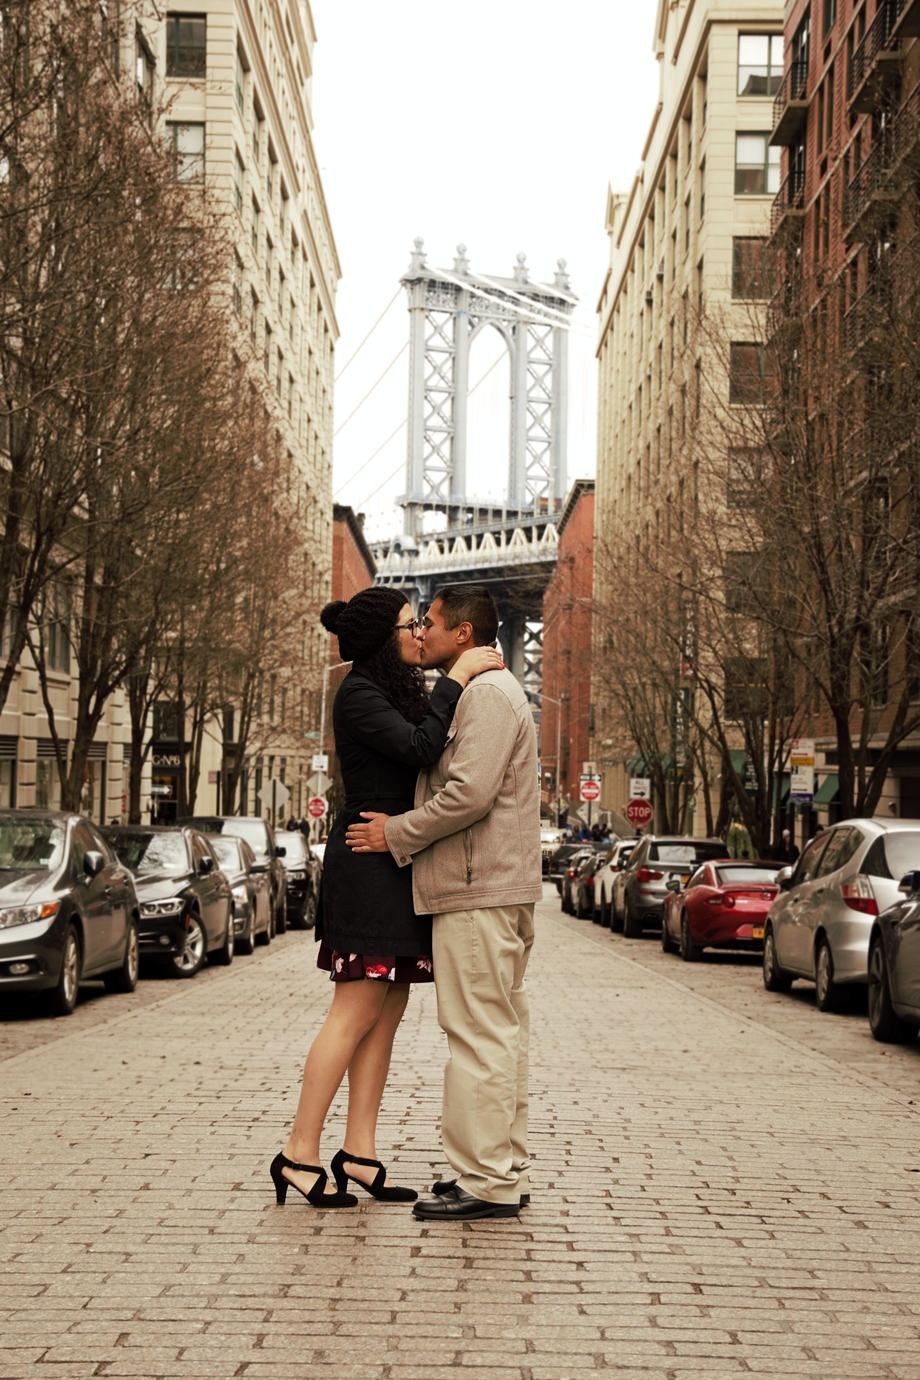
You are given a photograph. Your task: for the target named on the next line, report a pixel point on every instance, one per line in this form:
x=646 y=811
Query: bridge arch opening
x=488 y=415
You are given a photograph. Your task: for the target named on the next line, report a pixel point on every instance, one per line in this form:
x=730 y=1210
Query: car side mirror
x=784 y=878
x=93 y=862
x=672 y=885
x=281 y=852
x=909 y=883
x=205 y=867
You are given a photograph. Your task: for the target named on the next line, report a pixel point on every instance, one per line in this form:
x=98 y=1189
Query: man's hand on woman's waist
x=368 y=838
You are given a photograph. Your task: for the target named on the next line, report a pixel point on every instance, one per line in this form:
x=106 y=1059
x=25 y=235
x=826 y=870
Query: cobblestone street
x=725 y=1183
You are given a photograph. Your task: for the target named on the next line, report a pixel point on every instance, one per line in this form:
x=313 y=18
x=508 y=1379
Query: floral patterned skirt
x=379 y=967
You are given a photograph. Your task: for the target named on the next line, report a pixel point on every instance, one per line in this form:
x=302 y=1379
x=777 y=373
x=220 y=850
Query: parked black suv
x=257 y=833
x=185 y=901
x=303 y=873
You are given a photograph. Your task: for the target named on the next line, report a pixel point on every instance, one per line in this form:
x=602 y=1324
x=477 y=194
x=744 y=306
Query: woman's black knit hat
x=365 y=622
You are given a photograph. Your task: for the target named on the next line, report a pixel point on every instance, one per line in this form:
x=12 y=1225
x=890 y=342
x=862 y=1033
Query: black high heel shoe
x=316 y=1197
x=375 y=1189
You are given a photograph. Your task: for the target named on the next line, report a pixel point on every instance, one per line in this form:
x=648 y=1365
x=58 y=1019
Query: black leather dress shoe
x=445 y=1185
x=457 y=1206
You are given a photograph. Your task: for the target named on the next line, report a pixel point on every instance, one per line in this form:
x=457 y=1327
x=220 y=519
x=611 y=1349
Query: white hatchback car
x=818 y=927
x=613 y=863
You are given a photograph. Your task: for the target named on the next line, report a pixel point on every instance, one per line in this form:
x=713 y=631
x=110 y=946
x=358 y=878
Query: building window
x=238 y=171
x=267 y=352
x=756 y=165
x=830 y=16
x=760 y=64
x=745 y=687
x=750 y=380
x=145 y=68
x=56 y=628
x=239 y=82
x=256 y=131
x=187 y=145
x=253 y=316
x=166 y=722
x=237 y=284
x=749 y=267
x=744 y=479
x=186 y=45
x=279 y=375
x=255 y=227
x=47 y=784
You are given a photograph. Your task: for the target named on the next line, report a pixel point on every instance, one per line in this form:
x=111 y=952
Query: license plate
x=757 y=932
x=685 y=877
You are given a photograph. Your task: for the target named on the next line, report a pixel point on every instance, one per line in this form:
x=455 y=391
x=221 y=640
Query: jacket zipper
x=468 y=846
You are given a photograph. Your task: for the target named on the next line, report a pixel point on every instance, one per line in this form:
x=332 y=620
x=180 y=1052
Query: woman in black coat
x=371 y=941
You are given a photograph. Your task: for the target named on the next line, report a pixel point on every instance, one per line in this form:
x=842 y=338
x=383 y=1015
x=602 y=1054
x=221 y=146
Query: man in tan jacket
x=474 y=844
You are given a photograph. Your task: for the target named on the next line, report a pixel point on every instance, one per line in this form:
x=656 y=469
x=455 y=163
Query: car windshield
x=295 y=850
x=30 y=845
x=144 y=853
x=731 y=876
x=894 y=855
x=228 y=852
x=252 y=830
x=685 y=851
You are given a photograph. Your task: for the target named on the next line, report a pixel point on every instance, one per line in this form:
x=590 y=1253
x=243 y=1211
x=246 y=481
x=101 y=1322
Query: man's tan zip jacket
x=474 y=837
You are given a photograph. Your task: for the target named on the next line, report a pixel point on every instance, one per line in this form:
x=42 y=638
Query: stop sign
x=639 y=813
x=590 y=790
x=316 y=807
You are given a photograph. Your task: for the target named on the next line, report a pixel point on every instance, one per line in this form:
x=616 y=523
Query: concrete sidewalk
x=710 y=1197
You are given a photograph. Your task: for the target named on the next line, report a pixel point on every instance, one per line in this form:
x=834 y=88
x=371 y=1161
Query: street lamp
x=558 y=703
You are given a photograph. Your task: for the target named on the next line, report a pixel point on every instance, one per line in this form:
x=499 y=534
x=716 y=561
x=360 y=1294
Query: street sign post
x=802 y=771
x=589 y=788
x=640 y=788
x=320 y=762
x=274 y=794
x=639 y=813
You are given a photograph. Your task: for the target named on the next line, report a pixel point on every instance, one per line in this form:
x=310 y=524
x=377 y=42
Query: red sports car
x=723 y=906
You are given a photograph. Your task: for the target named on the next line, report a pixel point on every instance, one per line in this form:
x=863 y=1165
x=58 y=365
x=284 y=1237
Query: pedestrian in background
x=372 y=942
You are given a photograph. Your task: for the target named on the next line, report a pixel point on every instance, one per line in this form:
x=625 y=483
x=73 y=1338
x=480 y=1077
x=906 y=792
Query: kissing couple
x=431 y=872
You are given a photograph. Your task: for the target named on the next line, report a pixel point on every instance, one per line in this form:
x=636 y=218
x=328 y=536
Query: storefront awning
x=828 y=791
x=784 y=788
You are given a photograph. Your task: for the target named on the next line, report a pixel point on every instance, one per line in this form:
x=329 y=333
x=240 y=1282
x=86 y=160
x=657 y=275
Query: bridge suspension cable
x=357 y=351
x=372 y=388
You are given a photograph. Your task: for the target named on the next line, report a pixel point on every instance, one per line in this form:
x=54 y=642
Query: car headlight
x=239 y=893
x=25 y=915
x=297 y=876
x=174 y=906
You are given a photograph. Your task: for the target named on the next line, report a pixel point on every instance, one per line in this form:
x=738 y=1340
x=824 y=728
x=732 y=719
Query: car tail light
x=648 y=874
x=589 y=881
x=571 y=872
x=728 y=901
x=859 y=896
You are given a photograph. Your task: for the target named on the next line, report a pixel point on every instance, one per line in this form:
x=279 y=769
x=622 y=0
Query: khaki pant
x=479 y=961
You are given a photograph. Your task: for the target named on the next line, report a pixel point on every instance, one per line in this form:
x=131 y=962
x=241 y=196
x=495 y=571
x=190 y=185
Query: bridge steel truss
x=447 y=311
x=511 y=547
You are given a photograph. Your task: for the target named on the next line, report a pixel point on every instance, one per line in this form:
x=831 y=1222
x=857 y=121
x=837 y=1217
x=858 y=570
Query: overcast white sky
x=495 y=124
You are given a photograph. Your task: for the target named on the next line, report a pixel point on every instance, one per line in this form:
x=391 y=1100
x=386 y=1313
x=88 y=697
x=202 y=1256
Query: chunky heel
x=378 y=1188
x=316 y=1197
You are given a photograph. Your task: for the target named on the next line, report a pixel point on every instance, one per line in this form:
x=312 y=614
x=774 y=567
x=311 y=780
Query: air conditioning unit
x=659 y=271
x=649 y=296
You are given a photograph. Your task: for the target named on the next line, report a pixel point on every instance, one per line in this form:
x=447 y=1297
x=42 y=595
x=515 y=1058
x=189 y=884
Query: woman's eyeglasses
x=415 y=624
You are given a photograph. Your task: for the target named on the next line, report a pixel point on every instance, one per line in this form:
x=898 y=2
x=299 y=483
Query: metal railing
x=792 y=88
x=876 y=39
x=894 y=156
x=788 y=197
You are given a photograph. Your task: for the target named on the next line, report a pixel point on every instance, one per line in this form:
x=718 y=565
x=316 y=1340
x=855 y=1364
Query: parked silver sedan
x=818 y=927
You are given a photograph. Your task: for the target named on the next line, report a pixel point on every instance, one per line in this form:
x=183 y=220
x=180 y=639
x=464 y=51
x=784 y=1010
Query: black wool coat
x=365 y=902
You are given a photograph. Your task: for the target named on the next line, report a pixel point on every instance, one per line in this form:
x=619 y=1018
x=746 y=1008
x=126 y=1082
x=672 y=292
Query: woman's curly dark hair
x=405 y=685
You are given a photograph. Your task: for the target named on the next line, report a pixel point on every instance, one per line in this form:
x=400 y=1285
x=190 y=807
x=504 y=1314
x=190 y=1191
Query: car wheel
x=309 y=911
x=564 y=903
x=265 y=936
x=281 y=923
x=224 y=955
x=774 y=979
x=828 y=996
x=690 y=951
x=581 y=910
x=64 y=995
x=616 y=919
x=245 y=944
x=605 y=913
x=632 y=925
x=886 y=1025
x=667 y=943
x=189 y=961
x=124 y=978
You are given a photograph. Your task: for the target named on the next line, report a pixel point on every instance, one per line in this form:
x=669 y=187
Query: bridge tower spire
x=447 y=309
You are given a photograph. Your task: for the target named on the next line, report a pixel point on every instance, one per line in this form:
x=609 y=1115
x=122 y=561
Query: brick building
x=353 y=566
x=567 y=631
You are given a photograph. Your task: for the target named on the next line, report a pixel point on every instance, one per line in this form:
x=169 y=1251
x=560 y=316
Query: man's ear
x=464 y=633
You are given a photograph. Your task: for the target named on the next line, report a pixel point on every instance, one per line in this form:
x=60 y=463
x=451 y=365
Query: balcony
x=867 y=324
x=790 y=109
x=788 y=210
x=876 y=63
x=880 y=182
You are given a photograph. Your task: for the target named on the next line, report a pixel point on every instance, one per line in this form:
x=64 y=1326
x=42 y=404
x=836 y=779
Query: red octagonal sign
x=316 y=808
x=639 y=813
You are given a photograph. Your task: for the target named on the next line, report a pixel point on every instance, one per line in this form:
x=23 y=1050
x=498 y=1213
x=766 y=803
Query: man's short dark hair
x=470 y=604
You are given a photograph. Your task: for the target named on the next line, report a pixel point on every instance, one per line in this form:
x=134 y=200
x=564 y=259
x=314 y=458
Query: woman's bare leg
x=367 y=1077
x=355 y=1009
